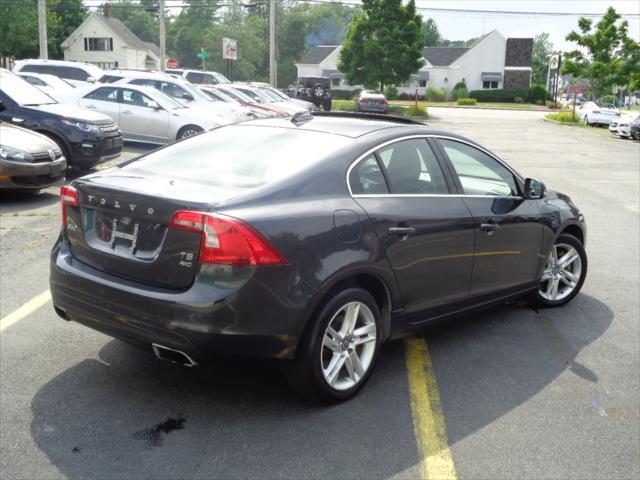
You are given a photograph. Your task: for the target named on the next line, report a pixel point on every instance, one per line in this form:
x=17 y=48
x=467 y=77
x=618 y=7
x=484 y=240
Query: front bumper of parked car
x=31 y=176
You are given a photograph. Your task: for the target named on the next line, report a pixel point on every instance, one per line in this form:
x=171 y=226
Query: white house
x=105 y=41
x=491 y=62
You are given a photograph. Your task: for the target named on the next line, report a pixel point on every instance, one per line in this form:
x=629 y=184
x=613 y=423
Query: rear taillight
x=227 y=240
x=383 y=102
x=364 y=100
x=68 y=198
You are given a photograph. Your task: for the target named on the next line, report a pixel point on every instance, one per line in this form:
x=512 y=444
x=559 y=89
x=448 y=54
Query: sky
x=461 y=26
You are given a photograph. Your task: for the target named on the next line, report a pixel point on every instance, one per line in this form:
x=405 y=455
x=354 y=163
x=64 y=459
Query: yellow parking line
x=25 y=310
x=428 y=420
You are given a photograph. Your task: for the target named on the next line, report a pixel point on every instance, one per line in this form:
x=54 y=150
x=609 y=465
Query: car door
x=103 y=100
x=426 y=232
x=139 y=120
x=507 y=228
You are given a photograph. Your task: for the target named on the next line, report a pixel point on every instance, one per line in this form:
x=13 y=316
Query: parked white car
x=622 y=126
x=201 y=77
x=75 y=72
x=58 y=88
x=146 y=115
x=597 y=113
x=184 y=92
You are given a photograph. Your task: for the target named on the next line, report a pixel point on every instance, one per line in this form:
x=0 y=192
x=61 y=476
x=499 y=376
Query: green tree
x=432 y=37
x=606 y=56
x=141 y=21
x=542 y=50
x=384 y=44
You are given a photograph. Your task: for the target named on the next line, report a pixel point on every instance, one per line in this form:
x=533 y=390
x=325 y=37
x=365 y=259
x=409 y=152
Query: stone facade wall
x=519 y=52
x=517 y=79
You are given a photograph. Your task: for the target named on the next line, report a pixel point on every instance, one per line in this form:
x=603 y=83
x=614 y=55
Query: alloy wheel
x=562 y=274
x=189 y=133
x=348 y=346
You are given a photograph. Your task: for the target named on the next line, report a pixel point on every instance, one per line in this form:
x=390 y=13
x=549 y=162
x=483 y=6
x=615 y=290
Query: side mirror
x=534 y=189
x=187 y=96
x=91 y=80
x=153 y=105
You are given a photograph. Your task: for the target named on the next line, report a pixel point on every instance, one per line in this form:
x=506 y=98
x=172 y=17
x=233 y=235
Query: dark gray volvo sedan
x=311 y=240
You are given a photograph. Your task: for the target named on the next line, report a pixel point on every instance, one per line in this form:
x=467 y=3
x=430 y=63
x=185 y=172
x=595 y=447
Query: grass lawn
x=497 y=105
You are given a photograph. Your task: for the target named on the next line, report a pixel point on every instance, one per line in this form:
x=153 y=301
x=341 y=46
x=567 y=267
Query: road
x=524 y=394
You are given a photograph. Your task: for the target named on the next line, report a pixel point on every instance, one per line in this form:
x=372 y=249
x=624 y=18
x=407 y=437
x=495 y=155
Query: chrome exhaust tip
x=172 y=355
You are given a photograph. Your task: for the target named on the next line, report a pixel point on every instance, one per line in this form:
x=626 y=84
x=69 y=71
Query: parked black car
x=84 y=137
x=311 y=240
x=28 y=160
x=316 y=90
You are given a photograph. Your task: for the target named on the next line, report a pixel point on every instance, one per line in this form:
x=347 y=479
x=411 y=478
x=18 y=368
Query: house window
x=335 y=82
x=98 y=44
x=423 y=83
x=486 y=84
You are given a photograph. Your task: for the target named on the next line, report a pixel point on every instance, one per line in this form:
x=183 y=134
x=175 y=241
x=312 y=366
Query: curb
x=489 y=108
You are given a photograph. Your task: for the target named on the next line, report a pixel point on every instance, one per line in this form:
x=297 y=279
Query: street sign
x=172 y=62
x=229 y=49
x=203 y=54
x=553 y=62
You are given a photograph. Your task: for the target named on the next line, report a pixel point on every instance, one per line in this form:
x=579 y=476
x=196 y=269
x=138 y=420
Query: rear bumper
x=256 y=319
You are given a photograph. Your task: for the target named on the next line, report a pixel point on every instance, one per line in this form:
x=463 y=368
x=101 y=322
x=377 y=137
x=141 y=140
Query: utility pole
x=163 y=37
x=272 y=42
x=42 y=28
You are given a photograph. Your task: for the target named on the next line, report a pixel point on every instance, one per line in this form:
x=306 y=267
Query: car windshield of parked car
x=278 y=93
x=239 y=95
x=220 y=78
x=239 y=156
x=23 y=93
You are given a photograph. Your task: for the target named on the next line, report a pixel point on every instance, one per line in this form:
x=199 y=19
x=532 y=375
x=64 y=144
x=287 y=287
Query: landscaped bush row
x=507 y=95
x=466 y=101
x=564 y=117
x=345 y=94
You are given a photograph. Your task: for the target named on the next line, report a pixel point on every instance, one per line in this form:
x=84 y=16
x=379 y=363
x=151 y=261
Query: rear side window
x=196 y=77
x=367 y=178
x=104 y=94
x=412 y=168
x=109 y=78
x=239 y=156
x=479 y=173
x=71 y=73
x=34 y=80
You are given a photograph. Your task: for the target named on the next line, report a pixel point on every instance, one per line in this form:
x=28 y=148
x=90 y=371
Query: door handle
x=489 y=227
x=402 y=231
x=129 y=112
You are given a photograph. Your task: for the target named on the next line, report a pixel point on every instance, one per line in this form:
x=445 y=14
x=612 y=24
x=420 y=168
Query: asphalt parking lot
x=523 y=394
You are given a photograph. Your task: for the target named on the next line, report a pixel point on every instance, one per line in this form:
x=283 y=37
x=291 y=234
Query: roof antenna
x=300 y=118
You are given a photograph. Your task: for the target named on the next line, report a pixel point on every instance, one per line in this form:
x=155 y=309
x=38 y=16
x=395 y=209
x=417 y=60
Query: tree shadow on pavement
x=128 y=415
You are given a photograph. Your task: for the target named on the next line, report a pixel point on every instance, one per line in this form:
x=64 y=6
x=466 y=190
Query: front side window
x=412 y=168
x=479 y=174
x=367 y=178
x=71 y=73
x=135 y=98
x=97 y=44
x=104 y=94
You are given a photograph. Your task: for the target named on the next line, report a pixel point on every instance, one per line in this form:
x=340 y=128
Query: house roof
x=443 y=56
x=127 y=35
x=317 y=54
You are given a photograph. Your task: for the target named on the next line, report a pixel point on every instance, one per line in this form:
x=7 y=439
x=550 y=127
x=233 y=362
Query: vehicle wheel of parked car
x=586 y=120
x=336 y=356
x=189 y=131
x=564 y=274
x=317 y=92
x=63 y=148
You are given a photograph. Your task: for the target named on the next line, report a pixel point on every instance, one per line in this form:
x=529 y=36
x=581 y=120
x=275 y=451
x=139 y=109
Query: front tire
x=188 y=131
x=564 y=274
x=336 y=356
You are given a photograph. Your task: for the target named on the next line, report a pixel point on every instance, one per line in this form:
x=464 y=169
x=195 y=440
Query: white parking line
x=25 y=310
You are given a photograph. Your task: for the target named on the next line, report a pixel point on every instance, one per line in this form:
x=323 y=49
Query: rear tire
x=326 y=104
x=586 y=120
x=337 y=354
x=562 y=280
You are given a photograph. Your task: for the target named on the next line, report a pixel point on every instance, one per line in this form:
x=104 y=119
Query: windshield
x=220 y=78
x=279 y=94
x=165 y=101
x=270 y=94
x=238 y=94
x=256 y=95
x=23 y=93
x=196 y=92
x=239 y=156
x=219 y=95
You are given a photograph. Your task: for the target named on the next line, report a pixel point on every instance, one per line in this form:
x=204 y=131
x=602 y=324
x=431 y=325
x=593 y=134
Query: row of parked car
x=621 y=124
x=86 y=113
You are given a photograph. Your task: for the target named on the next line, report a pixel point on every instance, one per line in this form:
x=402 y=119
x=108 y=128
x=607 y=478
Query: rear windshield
x=239 y=156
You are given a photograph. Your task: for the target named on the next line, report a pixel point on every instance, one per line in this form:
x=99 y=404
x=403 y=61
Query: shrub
x=459 y=91
x=436 y=94
x=466 y=101
x=414 y=111
x=564 y=117
x=391 y=92
x=538 y=93
x=539 y=102
x=343 y=105
x=397 y=110
x=610 y=99
x=552 y=105
x=404 y=96
x=345 y=94
x=499 y=95
x=518 y=99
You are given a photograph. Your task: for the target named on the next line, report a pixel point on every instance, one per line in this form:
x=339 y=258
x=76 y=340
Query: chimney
x=105 y=9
